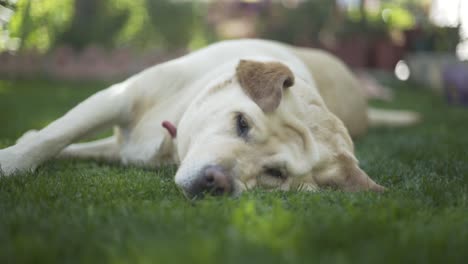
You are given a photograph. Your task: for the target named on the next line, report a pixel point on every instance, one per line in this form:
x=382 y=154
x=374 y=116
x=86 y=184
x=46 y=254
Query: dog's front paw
x=26 y=136
x=10 y=163
x=6 y=164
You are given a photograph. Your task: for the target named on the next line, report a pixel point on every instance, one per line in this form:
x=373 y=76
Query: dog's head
x=265 y=128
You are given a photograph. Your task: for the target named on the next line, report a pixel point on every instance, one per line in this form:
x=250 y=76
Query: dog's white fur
x=307 y=137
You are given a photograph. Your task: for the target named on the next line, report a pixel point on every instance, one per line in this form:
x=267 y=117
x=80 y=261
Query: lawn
x=89 y=212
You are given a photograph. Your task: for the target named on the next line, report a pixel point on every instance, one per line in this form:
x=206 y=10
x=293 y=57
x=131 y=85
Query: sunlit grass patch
x=92 y=212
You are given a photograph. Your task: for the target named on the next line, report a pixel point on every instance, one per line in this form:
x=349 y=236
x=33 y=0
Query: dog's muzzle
x=212 y=180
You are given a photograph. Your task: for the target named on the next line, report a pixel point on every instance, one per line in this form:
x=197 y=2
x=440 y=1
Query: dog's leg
x=109 y=107
x=104 y=149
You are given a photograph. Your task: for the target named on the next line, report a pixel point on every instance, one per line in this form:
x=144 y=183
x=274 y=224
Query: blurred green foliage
x=298 y=24
x=174 y=21
x=172 y=24
x=93 y=22
x=39 y=23
x=44 y=24
x=390 y=16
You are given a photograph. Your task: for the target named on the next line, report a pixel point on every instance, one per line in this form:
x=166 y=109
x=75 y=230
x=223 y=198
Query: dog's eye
x=276 y=173
x=242 y=125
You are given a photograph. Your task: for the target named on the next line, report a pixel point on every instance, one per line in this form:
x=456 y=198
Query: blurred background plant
x=45 y=24
x=374 y=34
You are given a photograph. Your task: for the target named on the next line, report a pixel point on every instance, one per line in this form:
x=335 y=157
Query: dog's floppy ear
x=264 y=82
x=358 y=180
x=349 y=177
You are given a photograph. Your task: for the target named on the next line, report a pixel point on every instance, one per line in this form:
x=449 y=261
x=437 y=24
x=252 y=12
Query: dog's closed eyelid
x=275 y=172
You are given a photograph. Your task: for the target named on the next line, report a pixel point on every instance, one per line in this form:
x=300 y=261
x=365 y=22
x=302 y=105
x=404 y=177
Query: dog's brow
x=220 y=86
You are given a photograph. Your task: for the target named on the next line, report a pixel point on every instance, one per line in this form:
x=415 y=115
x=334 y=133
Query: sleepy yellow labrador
x=234 y=116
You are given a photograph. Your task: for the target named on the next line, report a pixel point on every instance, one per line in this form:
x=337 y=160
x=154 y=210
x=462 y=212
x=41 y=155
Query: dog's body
x=243 y=109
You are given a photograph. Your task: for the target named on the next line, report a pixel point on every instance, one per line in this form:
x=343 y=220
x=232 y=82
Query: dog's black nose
x=212 y=180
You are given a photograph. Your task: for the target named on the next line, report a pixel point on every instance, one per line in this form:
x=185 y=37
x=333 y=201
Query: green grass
x=74 y=211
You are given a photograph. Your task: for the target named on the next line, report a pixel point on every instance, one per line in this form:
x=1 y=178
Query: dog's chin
x=193 y=197
x=201 y=196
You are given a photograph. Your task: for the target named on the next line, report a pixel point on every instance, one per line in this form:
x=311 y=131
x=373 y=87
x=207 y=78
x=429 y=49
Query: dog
x=235 y=115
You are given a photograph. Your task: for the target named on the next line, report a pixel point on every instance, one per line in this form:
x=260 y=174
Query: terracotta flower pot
x=354 y=50
x=386 y=54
